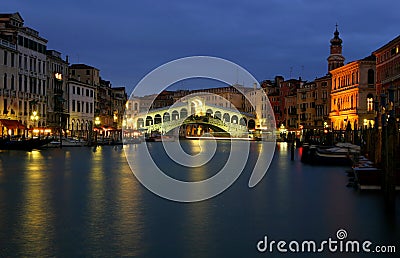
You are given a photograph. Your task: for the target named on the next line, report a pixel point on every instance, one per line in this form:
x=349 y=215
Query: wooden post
x=292 y=150
x=390 y=167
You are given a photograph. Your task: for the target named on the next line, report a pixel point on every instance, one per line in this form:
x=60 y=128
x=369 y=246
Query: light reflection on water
x=80 y=202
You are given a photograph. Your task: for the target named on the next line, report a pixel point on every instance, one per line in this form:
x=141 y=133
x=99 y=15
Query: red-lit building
x=388 y=71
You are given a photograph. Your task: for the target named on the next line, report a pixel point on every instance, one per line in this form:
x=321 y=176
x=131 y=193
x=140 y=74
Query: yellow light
x=58 y=76
x=35 y=130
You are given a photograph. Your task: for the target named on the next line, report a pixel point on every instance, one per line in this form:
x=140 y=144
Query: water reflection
x=76 y=202
x=37 y=216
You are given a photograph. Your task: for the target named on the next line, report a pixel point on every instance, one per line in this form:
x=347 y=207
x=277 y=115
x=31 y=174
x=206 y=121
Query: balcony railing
x=8 y=44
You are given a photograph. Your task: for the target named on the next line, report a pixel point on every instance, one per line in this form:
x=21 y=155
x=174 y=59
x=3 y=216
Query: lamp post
x=34 y=118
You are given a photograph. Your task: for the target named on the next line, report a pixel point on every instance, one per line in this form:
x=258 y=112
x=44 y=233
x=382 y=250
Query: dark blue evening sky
x=126 y=39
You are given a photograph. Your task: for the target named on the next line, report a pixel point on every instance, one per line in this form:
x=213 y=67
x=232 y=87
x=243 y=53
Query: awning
x=12 y=124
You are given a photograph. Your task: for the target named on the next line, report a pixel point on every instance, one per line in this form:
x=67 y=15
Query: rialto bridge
x=191 y=113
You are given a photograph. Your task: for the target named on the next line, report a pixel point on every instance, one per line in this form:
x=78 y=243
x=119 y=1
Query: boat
x=66 y=142
x=338 y=155
x=158 y=137
x=26 y=145
x=369 y=177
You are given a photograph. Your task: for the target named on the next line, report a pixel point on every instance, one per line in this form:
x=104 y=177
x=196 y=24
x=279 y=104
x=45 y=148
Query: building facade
x=119 y=100
x=57 y=91
x=24 y=94
x=352 y=94
x=306 y=105
x=322 y=103
x=81 y=108
x=388 y=72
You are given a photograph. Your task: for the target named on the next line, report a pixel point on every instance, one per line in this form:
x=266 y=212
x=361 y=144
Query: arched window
x=226 y=117
x=175 y=115
x=5 y=81
x=183 y=113
x=234 y=119
x=140 y=123
x=371 y=77
x=149 y=120
x=157 y=119
x=166 y=117
x=217 y=114
x=12 y=82
x=370 y=102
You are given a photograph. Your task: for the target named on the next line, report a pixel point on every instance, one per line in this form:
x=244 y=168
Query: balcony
x=8 y=44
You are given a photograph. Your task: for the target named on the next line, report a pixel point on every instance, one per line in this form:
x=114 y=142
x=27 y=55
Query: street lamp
x=97 y=121
x=34 y=117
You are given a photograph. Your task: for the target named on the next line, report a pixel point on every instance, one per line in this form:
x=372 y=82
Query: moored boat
x=26 y=145
x=338 y=155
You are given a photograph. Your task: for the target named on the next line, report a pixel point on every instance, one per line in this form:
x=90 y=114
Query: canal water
x=86 y=202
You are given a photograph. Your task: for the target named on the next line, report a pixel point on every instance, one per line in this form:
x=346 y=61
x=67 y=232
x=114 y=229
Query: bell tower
x=335 y=58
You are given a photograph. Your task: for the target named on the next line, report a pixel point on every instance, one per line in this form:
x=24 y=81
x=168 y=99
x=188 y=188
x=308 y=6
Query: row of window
x=6 y=58
x=389 y=70
x=23 y=107
x=82 y=91
x=81 y=106
x=388 y=54
x=351 y=79
x=36 y=85
x=31 y=44
x=34 y=64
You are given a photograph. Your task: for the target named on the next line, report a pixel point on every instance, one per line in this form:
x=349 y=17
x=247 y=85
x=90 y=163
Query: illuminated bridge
x=190 y=114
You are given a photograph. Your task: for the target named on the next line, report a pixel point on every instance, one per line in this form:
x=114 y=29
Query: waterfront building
x=81 y=108
x=57 y=91
x=291 y=120
x=23 y=93
x=352 y=94
x=388 y=71
x=260 y=108
x=306 y=105
x=275 y=101
x=8 y=92
x=119 y=100
x=322 y=103
x=103 y=103
x=229 y=96
x=287 y=107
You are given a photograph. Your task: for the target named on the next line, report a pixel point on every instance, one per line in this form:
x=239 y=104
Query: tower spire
x=335 y=58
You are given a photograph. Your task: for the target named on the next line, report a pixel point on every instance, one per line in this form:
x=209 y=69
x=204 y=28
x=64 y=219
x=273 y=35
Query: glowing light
x=58 y=76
